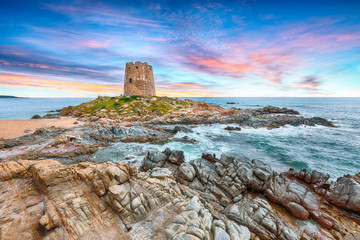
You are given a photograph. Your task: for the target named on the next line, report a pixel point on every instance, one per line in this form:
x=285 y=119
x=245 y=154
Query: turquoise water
x=332 y=150
x=25 y=108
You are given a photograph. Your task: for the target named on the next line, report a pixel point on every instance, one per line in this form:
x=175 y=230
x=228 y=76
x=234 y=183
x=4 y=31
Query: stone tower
x=139 y=79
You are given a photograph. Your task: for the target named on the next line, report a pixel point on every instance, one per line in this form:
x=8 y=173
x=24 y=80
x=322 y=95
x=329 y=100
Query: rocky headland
x=52 y=189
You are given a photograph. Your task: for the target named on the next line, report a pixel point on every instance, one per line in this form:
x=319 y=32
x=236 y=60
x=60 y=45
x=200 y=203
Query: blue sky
x=242 y=48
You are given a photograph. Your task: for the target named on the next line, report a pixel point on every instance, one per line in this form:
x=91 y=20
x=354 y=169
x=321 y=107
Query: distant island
x=7 y=96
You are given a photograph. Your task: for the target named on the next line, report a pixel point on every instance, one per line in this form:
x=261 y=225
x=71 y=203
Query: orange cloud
x=307 y=85
x=7 y=80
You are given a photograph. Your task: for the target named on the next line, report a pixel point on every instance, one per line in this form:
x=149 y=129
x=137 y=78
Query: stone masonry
x=139 y=79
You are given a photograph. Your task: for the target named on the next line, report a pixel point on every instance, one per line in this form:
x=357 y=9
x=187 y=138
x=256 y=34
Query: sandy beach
x=12 y=128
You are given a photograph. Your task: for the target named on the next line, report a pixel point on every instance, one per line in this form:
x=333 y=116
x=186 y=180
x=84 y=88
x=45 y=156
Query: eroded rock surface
x=227 y=198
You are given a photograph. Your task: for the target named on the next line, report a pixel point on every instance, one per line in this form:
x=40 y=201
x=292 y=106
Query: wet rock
x=51 y=115
x=272 y=109
x=167 y=152
x=255 y=174
x=209 y=157
x=181 y=129
x=177 y=157
x=127 y=134
x=152 y=159
x=36 y=116
x=229 y=128
x=345 y=193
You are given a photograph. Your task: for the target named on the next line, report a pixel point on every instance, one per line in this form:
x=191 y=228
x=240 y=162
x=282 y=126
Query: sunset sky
x=247 y=48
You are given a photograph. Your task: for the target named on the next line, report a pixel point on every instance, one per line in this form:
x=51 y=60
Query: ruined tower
x=139 y=79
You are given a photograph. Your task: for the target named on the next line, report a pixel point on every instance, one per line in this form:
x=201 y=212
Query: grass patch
x=29 y=167
x=128 y=106
x=14 y=176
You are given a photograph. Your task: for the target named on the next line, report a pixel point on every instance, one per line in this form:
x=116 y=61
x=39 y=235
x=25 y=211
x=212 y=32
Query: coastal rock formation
x=164 y=110
x=166 y=197
x=227 y=198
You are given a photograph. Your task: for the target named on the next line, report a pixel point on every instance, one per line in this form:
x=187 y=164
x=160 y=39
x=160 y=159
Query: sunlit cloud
x=196 y=48
x=309 y=83
x=7 y=80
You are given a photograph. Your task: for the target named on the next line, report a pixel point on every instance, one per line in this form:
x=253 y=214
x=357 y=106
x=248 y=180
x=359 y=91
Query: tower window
x=137 y=67
x=130 y=81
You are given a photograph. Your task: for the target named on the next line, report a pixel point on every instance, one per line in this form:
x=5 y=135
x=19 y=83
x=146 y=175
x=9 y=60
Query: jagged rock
x=312 y=177
x=167 y=152
x=177 y=157
x=255 y=174
x=127 y=134
x=181 y=129
x=229 y=128
x=258 y=215
x=194 y=222
x=187 y=172
x=63 y=139
x=161 y=173
x=153 y=158
x=205 y=171
x=296 y=197
x=230 y=198
x=345 y=192
x=272 y=109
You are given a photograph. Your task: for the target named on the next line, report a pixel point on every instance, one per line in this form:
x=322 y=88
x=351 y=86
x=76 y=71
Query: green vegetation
x=29 y=167
x=14 y=176
x=129 y=106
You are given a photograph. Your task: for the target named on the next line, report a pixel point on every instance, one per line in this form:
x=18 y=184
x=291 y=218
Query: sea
x=330 y=150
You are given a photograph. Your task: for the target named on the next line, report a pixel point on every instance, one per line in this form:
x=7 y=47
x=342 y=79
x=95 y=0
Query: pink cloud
x=309 y=83
x=94 y=44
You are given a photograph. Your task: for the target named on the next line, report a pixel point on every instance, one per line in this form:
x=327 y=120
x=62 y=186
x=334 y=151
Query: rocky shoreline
x=168 y=198
x=51 y=188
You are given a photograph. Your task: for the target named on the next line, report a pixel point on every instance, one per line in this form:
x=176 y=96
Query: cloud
x=268 y=17
x=103 y=14
x=36 y=81
x=34 y=62
x=179 y=89
x=218 y=43
x=309 y=83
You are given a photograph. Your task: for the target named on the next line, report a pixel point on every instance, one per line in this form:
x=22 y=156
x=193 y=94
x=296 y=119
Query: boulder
x=177 y=157
x=36 y=116
x=345 y=193
x=152 y=159
x=187 y=172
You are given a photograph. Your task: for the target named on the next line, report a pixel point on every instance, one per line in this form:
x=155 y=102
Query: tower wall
x=139 y=79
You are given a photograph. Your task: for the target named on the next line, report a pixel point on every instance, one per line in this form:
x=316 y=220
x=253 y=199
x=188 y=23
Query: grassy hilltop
x=123 y=106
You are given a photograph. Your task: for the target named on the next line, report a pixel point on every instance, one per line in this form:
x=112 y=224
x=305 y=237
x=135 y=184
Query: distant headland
x=8 y=96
